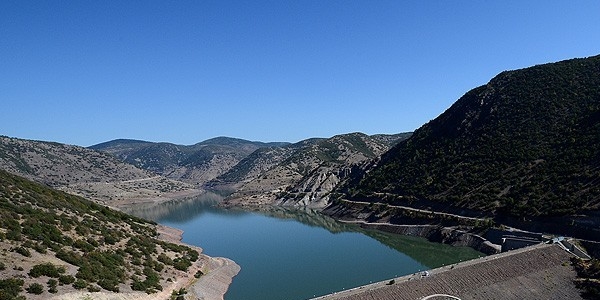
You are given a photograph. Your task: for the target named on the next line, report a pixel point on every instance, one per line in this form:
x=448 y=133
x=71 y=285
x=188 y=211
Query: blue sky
x=85 y=72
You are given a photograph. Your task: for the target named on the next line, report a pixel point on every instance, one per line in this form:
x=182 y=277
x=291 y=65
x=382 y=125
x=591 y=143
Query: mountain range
x=309 y=169
x=522 y=150
x=85 y=172
x=194 y=164
x=523 y=147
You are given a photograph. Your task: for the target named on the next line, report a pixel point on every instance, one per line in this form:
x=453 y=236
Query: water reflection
x=432 y=255
x=181 y=210
x=429 y=254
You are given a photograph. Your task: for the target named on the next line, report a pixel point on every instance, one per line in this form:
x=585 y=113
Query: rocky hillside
x=54 y=243
x=303 y=174
x=194 y=164
x=95 y=175
x=525 y=145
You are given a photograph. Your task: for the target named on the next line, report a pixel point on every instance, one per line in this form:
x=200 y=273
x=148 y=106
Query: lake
x=297 y=254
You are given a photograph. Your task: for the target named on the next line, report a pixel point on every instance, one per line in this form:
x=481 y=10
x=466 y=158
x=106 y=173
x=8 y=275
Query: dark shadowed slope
x=527 y=144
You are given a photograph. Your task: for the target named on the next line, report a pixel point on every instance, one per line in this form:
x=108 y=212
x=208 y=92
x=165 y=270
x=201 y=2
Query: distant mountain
x=55 y=244
x=304 y=173
x=527 y=144
x=195 y=164
x=78 y=170
x=57 y=164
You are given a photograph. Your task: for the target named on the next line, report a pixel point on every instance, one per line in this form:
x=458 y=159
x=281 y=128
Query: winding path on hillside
x=417 y=210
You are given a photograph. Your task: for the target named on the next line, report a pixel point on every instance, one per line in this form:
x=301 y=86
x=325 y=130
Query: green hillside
x=527 y=144
x=54 y=243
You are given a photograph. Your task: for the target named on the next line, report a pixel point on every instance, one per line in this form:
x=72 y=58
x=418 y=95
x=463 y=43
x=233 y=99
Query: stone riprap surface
x=538 y=272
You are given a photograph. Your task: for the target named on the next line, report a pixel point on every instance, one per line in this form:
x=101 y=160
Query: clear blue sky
x=85 y=72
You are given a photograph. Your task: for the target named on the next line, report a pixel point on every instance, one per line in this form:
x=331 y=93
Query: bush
x=163 y=258
x=2 y=266
x=66 y=279
x=70 y=257
x=109 y=284
x=40 y=248
x=23 y=251
x=83 y=245
x=35 y=288
x=93 y=289
x=178 y=295
x=80 y=284
x=137 y=285
x=46 y=269
x=181 y=264
x=52 y=283
x=10 y=288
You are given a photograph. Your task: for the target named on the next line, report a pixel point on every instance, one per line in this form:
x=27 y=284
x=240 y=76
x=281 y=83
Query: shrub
x=35 y=288
x=93 y=242
x=181 y=264
x=52 y=283
x=109 y=284
x=23 y=251
x=163 y=258
x=46 y=269
x=158 y=267
x=80 y=284
x=40 y=248
x=2 y=266
x=83 y=245
x=110 y=239
x=93 y=288
x=137 y=285
x=10 y=288
x=178 y=295
x=70 y=257
x=66 y=279
x=14 y=234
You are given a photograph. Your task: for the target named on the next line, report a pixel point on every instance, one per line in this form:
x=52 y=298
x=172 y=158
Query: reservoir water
x=288 y=254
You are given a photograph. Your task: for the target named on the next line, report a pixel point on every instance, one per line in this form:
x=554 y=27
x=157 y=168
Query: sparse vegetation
x=99 y=241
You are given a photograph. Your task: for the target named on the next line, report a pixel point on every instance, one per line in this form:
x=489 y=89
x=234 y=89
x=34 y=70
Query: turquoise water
x=297 y=254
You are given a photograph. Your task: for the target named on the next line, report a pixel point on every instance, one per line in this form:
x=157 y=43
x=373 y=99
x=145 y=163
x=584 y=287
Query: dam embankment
x=537 y=272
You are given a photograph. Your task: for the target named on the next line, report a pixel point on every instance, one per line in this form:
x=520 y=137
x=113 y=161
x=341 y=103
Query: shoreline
x=218 y=275
x=218 y=271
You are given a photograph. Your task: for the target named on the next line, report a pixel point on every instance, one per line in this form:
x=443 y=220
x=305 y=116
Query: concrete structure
x=537 y=272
